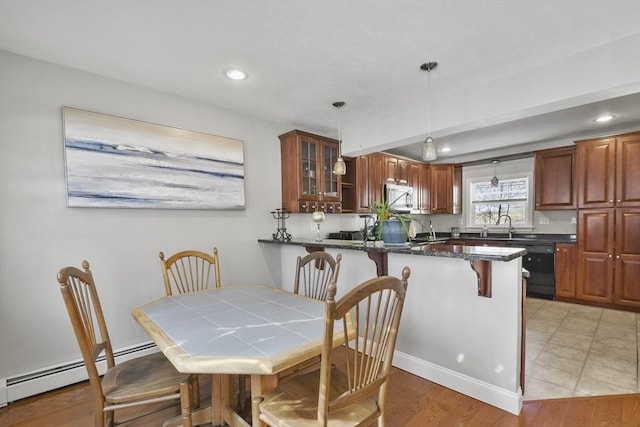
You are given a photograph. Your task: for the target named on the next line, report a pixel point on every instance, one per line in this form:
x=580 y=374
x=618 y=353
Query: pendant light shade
x=340 y=167
x=429 y=148
x=495 y=180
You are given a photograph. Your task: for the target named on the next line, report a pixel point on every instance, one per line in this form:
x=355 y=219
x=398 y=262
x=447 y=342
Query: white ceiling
x=512 y=76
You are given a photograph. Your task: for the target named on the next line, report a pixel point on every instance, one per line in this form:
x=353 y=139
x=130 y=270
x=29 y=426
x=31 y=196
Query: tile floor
x=578 y=350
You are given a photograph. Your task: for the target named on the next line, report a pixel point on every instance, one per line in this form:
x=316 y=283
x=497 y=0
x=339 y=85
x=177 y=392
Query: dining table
x=258 y=331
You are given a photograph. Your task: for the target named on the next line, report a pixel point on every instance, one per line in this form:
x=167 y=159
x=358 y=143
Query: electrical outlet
x=544 y=219
x=573 y=220
x=312 y=227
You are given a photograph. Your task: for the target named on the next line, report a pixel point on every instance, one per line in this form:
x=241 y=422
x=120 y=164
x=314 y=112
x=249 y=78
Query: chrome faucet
x=510 y=227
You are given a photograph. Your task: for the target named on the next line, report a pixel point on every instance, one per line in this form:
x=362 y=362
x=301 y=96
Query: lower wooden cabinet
x=627 y=258
x=565 y=270
x=608 y=257
x=594 y=279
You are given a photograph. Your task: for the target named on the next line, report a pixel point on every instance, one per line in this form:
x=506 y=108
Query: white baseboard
x=42 y=380
x=485 y=392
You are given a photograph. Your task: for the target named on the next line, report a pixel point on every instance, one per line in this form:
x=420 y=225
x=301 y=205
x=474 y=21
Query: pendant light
x=340 y=167
x=495 y=180
x=429 y=148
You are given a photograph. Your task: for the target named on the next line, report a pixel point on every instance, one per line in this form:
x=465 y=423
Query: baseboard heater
x=51 y=378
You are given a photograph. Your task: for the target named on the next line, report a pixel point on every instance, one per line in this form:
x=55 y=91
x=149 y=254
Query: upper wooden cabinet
x=628 y=170
x=609 y=171
x=355 y=186
x=445 y=188
x=377 y=178
x=308 y=181
x=396 y=170
x=555 y=179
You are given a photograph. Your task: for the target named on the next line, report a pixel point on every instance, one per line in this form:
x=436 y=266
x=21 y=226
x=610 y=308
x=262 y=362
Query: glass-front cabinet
x=308 y=181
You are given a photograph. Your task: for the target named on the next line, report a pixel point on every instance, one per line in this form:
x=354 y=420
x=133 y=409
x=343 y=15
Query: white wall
x=39 y=234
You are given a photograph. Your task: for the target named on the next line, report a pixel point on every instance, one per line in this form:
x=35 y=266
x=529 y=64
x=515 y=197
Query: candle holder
x=281 y=233
x=318 y=217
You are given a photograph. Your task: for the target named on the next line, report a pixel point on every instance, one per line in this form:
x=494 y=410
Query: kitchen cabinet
x=413 y=180
x=627 y=258
x=445 y=188
x=424 y=189
x=308 y=181
x=376 y=177
x=373 y=171
x=565 y=270
x=594 y=278
x=628 y=170
x=555 y=179
x=396 y=170
x=608 y=233
x=355 y=186
x=609 y=171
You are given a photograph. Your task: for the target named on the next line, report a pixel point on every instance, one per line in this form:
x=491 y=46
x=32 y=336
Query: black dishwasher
x=539 y=261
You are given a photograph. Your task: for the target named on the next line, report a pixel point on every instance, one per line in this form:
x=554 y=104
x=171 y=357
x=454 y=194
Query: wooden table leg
x=217 y=399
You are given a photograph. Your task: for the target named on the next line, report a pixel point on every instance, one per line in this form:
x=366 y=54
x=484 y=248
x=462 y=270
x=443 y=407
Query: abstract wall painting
x=116 y=162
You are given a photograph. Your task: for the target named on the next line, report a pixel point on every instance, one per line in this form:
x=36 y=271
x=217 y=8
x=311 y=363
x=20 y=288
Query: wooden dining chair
x=193 y=271
x=145 y=380
x=190 y=271
x=314 y=272
x=353 y=393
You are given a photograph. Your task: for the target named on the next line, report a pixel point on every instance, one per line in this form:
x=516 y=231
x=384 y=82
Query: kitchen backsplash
x=302 y=226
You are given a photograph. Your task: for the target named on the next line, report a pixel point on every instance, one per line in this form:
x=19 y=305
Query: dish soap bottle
x=484 y=232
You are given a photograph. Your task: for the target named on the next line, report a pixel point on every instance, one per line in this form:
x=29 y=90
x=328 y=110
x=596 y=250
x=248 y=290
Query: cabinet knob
x=611 y=201
x=610 y=256
x=617 y=256
x=619 y=200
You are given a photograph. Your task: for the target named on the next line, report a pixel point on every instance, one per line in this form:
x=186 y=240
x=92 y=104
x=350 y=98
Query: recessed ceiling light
x=604 y=118
x=235 y=74
x=445 y=149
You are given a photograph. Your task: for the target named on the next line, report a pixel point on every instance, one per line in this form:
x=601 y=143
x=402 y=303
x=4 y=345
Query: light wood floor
x=413 y=401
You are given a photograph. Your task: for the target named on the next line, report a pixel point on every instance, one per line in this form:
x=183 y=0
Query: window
x=510 y=197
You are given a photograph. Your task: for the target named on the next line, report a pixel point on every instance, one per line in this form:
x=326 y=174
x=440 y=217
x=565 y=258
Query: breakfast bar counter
x=462 y=324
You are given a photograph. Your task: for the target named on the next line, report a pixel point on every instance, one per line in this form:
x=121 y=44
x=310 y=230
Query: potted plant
x=393 y=228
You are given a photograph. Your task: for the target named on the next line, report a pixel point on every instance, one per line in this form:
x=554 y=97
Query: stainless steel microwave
x=400 y=198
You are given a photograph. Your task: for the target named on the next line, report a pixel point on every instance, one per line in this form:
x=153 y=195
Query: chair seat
x=294 y=403
x=142 y=378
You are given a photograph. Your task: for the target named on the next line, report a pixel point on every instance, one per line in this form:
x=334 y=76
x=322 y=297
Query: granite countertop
x=517 y=238
x=436 y=249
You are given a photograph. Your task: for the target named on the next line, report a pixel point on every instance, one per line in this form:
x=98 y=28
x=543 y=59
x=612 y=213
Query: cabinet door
x=596 y=166
x=628 y=170
x=565 y=270
x=441 y=188
x=402 y=172
x=376 y=177
x=555 y=179
x=594 y=279
x=390 y=170
x=363 y=201
x=414 y=181
x=424 y=191
x=456 y=190
x=330 y=188
x=310 y=167
x=627 y=257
